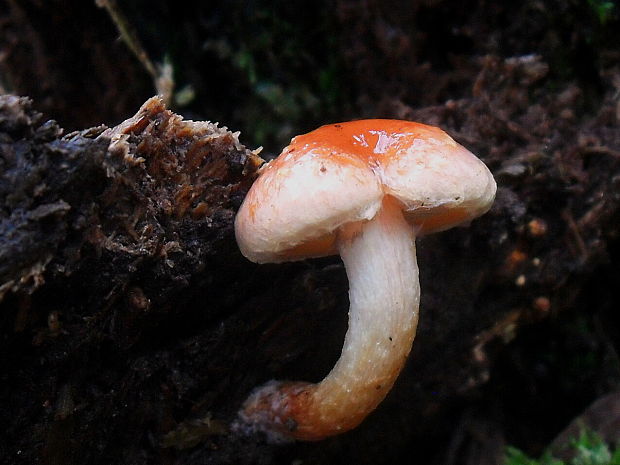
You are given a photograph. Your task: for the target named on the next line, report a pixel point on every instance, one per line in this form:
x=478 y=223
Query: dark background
x=519 y=328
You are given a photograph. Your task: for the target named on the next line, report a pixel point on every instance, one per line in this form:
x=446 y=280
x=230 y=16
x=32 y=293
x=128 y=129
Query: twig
x=161 y=73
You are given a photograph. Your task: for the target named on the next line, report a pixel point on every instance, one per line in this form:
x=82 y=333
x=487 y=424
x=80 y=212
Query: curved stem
x=379 y=256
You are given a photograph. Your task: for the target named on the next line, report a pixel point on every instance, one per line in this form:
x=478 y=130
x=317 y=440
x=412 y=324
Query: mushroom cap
x=340 y=173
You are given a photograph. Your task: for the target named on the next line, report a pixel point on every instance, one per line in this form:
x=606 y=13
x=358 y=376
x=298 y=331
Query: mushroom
x=364 y=190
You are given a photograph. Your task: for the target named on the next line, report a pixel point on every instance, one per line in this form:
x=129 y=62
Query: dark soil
x=131 y=328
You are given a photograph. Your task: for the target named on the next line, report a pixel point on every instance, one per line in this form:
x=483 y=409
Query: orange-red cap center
x=373 y=141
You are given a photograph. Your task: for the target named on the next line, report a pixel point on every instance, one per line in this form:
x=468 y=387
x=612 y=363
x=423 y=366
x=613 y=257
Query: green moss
x=604 y=10
x=588 y=449
x=516 y=457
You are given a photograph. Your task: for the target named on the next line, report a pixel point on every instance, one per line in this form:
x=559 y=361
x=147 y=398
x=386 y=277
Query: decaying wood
x=128 y=193
x=102 y=233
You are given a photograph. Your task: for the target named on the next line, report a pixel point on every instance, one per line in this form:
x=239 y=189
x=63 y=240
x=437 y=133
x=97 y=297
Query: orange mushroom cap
x=340 y=173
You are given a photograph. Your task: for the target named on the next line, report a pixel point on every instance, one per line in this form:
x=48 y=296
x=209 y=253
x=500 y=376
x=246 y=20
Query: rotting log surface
x=102 y=234
x=132 y=329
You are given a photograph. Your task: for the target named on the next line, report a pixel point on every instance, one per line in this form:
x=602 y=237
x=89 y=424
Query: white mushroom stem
x=379 y=256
